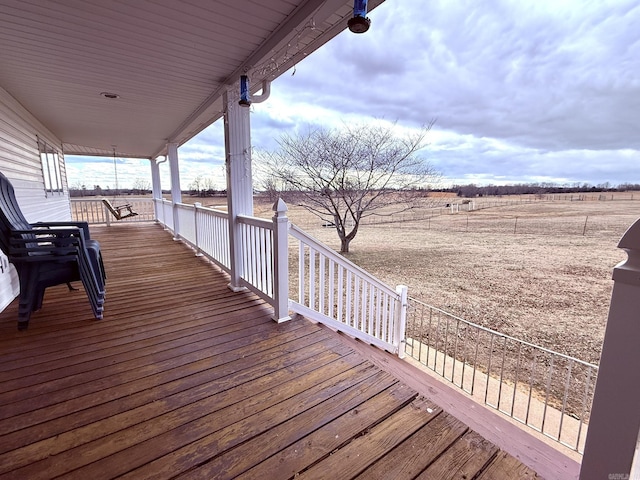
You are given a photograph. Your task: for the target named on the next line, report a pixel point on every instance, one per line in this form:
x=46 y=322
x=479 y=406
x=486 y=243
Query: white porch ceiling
x=169 y=61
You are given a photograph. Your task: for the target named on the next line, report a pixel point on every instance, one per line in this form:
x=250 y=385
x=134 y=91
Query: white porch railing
x=331 y=289
x=257 y=255
x=164 y=212
x=205 y=229
x=336 y=292
x=212 y=235
x=95 y=212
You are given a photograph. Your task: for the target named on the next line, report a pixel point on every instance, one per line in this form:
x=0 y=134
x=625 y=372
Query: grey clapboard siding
x=20 y=162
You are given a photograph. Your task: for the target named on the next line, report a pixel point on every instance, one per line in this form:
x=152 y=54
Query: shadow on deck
x=184 y=378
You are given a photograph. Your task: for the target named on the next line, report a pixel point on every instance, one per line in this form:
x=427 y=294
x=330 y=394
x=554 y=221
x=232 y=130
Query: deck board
x=184 y=378
x=327 y=439
x=252 y=453
x=414 y=455
x=357 y=455
x=506 y=466
x=466 y=458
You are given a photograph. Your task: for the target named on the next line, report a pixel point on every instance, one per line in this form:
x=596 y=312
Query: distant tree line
x=205 y=187
x=471 y=190
x=140 y=187
x=200 y=187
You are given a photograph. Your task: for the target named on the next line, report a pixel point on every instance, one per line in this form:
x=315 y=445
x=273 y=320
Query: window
x=51 y=171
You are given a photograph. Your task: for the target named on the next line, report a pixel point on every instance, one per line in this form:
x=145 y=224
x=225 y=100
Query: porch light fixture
x=359 y=23
x=109 y=95
x=244 y=91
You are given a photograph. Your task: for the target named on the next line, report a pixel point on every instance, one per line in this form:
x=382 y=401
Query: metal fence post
x=280 y=262
x=401 y=326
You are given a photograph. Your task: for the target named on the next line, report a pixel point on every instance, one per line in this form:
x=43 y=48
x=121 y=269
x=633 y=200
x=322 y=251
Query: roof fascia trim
x=285 y=30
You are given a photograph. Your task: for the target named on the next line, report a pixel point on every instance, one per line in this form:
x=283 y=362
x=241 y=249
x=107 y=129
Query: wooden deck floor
x=184 y=378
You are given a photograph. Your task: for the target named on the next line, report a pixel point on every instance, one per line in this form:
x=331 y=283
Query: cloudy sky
x=521 y=91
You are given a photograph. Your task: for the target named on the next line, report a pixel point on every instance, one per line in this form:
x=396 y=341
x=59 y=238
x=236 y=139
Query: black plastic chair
x=48 y=254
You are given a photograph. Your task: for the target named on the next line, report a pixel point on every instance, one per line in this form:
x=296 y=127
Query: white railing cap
x=280 y=206
x=631 y=238
x=628 y=271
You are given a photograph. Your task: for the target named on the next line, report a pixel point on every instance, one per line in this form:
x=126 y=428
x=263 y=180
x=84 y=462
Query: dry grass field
x=539 y=270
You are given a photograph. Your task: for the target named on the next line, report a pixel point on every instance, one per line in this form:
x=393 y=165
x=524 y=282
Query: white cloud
x=527 y=91
x=520 y=90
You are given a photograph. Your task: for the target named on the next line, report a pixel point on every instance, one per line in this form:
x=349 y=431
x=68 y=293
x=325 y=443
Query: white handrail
x=299 y=234
x=255 y=221
x=334 y=291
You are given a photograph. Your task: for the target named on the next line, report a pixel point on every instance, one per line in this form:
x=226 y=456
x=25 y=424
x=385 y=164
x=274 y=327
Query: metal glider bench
x=118 y=211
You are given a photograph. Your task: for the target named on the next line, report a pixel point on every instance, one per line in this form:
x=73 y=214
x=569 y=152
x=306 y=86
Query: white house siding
x=20 y=162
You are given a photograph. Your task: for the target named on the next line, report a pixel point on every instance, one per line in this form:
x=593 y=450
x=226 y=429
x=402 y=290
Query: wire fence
x=575 y=225
x=581 y=225
x=549 y=215
x=545 y=390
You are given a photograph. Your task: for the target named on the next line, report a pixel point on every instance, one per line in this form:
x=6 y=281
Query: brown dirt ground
x=547 y=283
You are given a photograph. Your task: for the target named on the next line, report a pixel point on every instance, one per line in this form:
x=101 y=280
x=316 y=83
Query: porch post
x=280 y=262
x=176 y=194
x=237 y=139
x=615 y=416
x=156 y=187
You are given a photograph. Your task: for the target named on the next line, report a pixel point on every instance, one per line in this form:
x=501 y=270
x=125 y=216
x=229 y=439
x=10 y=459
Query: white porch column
x=156 y=186
x=615 y=416
x=237 y=139
x=176 y=194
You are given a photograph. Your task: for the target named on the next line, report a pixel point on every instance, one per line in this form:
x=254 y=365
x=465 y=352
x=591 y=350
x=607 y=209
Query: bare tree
x=78 y=189
x=195 y=187
x=141 y=186
x=267 y=183
x=208 y=186
x=345 y=175
x=202 y=186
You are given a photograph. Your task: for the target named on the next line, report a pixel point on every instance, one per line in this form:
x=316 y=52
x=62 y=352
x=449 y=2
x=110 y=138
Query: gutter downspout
x=266 y=92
